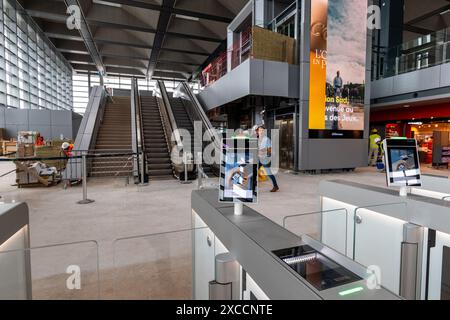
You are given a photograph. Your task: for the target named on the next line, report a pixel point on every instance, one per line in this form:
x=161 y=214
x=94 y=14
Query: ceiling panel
x=161 y=38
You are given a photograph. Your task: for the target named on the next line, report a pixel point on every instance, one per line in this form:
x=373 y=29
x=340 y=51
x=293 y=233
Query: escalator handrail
x=168 y=110
x=140 y=142
x=202 y=115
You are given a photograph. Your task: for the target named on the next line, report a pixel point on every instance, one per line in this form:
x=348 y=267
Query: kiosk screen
x=239 y=170
x=402 y=162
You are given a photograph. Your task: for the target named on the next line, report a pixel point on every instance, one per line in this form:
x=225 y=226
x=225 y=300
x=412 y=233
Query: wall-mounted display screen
x=239 y=170
x=337 y=68
x=402 y=162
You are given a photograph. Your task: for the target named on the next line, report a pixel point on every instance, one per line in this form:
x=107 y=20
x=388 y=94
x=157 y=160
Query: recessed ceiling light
x=107 y=3
x=182 y=16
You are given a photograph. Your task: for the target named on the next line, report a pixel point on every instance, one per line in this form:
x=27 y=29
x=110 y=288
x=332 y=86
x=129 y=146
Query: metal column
x=410 y=266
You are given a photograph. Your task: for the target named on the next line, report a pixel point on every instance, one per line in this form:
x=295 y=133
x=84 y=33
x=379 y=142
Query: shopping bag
x=262 y=174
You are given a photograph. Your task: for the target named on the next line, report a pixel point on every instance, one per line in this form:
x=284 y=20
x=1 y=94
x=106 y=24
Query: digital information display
x=402 y=163
x=337 y=69
x=239 y=170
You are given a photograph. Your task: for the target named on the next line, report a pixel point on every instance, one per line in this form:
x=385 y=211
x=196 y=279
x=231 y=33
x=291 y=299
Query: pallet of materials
x=30 y=174
x=9 y=146
x=51 y=152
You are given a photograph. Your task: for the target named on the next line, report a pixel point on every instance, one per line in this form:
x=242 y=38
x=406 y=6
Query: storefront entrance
x=285 y=123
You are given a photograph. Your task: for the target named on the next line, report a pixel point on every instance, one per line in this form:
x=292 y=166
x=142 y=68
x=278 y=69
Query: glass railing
x=423 y=52
x=160 y=266
x=57 y=272
x=254 y=42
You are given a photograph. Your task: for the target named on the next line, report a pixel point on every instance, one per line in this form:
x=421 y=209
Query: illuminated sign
x=337 y=68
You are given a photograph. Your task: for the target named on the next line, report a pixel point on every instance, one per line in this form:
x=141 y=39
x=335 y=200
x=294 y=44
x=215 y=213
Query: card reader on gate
x=315 y=268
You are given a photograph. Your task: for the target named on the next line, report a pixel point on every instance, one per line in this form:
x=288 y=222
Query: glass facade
x=33 y=75
x=82 y=82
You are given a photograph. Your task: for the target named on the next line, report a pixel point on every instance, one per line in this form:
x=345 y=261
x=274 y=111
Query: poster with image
x=338 y=68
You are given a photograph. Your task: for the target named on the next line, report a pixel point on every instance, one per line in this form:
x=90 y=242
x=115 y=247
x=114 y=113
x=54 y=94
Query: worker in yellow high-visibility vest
x=374 y=140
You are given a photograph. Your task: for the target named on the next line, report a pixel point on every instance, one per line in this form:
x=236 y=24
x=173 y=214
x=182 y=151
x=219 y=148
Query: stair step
x=163 y=166
x=151 y=140
x=111 y=174
x=159 y=161
x=155 y=145
x=164 y=172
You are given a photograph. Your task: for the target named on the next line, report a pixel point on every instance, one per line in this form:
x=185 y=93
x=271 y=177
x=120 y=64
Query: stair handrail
x=89 y=127
x=137 y=129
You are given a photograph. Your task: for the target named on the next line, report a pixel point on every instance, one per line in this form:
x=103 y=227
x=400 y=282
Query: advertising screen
x=338 y=68
x=239 y=170
x=402 y=162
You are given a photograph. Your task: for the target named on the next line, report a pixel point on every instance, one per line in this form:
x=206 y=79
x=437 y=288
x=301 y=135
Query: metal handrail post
x=186 y=181
x=85 y=198
x=200 y=172
x=142 y=162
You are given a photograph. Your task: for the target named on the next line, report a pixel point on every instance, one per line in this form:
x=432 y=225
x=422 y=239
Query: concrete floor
x=122 y=211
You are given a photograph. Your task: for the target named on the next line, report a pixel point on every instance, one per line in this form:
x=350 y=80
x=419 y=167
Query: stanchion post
x=84 y=173
x=200 y=172
x=186 y=181
x=142 y=163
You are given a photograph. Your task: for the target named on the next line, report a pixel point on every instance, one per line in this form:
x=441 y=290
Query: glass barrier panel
x=329 y=227
x=378 y=241
x=58 y=272
x=337 y=230
x=156 y=266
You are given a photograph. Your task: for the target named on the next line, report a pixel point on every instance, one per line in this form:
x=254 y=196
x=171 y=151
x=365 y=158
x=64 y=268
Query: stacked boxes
x=272 y=46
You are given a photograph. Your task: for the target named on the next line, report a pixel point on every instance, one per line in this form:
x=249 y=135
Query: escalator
x=157 y=153
x=182 y=111
x=185 y=121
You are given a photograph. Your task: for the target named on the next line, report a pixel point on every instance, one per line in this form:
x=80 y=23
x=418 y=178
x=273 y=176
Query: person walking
x=264 y=154
x=375 y=140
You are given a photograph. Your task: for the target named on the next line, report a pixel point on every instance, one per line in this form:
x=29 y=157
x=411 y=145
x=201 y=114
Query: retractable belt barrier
x=83 y=157
x=88 y=156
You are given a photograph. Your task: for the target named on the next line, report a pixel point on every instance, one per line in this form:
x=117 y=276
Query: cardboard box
x=25 y=150
x=272 y=46
x=2 y=134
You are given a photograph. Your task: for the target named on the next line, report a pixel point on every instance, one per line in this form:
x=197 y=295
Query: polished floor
x=134 y=242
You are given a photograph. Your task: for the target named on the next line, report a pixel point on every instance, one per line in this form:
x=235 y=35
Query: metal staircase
x=114 y=137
